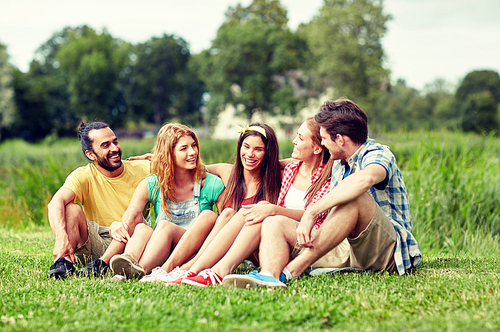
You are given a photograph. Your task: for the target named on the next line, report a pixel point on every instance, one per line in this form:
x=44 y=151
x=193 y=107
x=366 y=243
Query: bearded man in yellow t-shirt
x=103 y=188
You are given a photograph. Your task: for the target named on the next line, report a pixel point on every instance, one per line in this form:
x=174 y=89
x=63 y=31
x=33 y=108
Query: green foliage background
x=255 y=63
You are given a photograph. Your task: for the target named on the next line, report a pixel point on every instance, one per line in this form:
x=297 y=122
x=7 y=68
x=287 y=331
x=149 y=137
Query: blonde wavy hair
x=163 y=161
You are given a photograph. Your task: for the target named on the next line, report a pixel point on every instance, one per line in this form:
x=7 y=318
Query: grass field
x=453 y=184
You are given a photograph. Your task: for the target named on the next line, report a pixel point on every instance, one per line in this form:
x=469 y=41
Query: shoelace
x=156 y=271
x=177 y=273
x=208 y=273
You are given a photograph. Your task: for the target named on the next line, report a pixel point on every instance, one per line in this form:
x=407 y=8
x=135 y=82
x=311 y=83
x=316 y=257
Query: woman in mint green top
x=185 y=214
x=181 y=191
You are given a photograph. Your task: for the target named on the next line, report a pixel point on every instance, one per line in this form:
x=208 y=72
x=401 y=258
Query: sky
x=426 y=39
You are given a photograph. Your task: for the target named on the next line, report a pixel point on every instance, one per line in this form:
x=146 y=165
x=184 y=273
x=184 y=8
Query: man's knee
x=74 y=213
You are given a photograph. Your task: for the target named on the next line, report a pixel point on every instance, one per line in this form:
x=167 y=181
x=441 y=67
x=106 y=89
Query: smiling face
x=186 y=153
x=303 y=145
x=252 y=152
x=330 y=144
x=106 y=151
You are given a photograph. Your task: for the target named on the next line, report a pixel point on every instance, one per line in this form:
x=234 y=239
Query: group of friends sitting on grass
x=339 y=203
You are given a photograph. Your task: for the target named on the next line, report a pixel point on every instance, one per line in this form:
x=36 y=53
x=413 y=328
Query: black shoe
x=95 y=269
x=61 y=269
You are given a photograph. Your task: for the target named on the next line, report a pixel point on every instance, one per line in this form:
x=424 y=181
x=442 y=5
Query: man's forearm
x=56 y=214
x=132 y=217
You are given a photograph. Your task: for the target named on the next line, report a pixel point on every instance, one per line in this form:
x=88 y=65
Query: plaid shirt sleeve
x=392 y=197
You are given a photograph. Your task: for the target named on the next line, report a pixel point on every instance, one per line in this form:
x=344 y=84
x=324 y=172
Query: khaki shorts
x=374 y=248
x=97 y=242
x=337 y=257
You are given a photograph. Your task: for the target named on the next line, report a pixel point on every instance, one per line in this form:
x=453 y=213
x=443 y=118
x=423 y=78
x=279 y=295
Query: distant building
x=284 y=126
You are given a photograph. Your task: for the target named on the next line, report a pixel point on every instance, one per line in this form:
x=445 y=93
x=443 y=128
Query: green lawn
x=459 y=293
x=453 y=185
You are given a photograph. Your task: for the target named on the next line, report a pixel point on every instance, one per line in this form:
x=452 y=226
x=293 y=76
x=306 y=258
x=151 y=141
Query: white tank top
x=295 y=199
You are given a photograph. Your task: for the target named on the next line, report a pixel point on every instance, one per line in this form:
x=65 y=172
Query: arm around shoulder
x=222 y=170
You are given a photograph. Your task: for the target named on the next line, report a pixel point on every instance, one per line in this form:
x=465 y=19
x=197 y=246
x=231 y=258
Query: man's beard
x=106 y=164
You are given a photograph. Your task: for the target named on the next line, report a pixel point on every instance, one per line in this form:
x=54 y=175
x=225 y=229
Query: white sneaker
x=156 y=275
x=173 y=275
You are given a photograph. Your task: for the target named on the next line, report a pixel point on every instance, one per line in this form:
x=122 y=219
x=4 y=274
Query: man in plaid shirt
x=368 y=205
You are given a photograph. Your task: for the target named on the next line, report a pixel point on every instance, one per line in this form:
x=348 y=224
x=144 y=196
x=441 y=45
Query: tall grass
x=451 y=179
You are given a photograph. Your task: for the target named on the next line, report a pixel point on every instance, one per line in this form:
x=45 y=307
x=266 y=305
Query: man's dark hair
x=343 y=117
x=83 y=134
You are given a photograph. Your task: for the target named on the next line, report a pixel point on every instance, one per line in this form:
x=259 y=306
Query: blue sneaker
x=252 y=280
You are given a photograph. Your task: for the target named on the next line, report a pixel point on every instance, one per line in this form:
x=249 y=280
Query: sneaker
x=204 y=278
x=95 y=269
x=178 y=281
x=159 y=274
x=252 y=280
x=154 y=275
x=61 y=269
x=126 y=265
x=313 y=272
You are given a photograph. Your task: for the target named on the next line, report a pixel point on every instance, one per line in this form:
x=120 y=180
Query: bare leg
x=137 y=243
x=278 y=236
x=76 y=228
x=192 y=240
x=245 y=244
x=342 y=221
x=165 y=236
x=116 y=247
x=220 y=244
x=221 y=221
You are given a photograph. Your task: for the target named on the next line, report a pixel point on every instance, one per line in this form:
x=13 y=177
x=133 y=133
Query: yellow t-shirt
x=104 y=199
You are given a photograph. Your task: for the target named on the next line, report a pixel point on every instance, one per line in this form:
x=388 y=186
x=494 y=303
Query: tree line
x=255 y=63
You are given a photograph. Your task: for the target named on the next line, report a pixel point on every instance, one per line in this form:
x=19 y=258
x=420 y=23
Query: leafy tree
x=34 y=119
x=53 y=96
x=250 y=60
x=477 y=98
x=161 y=85
x=480 y=113
x=438 y=97
x=392 y=110
x=345 y=42
x=92 y=62
x=269 y=12
x=7 y=106
x=479 y=81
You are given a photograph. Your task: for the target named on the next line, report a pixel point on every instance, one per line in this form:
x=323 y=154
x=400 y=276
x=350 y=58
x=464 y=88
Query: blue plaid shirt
x=390 y=195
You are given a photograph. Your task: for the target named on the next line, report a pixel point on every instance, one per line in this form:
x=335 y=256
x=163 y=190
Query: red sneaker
x=178 y=281
x=204 y=278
